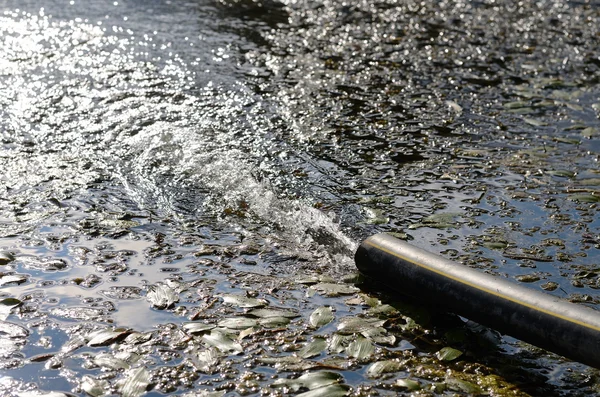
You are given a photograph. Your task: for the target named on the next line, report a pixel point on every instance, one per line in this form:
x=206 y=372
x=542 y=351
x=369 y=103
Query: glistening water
x=184 y=184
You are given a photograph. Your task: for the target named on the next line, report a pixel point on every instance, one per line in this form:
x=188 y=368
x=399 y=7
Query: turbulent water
x=181 y=138
x=160 y=157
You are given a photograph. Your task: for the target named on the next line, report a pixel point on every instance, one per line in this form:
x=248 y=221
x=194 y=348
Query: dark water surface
x=184 y=184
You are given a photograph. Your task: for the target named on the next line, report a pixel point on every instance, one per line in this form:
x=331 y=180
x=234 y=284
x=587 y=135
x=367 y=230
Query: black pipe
x=535 y=317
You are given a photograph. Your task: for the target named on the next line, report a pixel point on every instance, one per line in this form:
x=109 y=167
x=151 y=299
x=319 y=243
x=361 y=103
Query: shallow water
x=209 y=148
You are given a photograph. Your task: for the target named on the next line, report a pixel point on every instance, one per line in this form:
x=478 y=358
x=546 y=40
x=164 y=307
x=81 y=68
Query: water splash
x=304 y=226
x=175 y=147
x=190 y=175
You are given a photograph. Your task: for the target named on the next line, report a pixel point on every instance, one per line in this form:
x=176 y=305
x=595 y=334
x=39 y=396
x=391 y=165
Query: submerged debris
x=321 y=316
x=136 y=382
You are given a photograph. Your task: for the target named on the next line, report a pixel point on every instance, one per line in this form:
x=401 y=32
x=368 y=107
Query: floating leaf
x=585 y=198
x=107 y=360
x=248 y=332
x=574 y=106
x=438 y=221
x=75 y=342
x=590 y=132
x=379 y=335
x=355 y=301
x=197 y=328
x=528 y=278
x=222 y=342
x=549 y=286
x=351 y=325
x=410 y=325
x=206 y=360
x=534 y=122
x=311 y=380
x=516 y=105
x=8 y=345
x=12 y=279
x=379 y=368
x=409 y=384
x=338 y=343
x=313 y=348
x=243 y=301
x=561 y=173
x=6 y=258
x=273 y=322
x=94 y=387
x=581 y=182
x=136 y=338
x=332 y=289
x=136 y=383
x=327 y=391
x=454 y=106
x=107 y=336
x=289 y=363
x=321 y=316
x=370 y=301
x=314 y=380
x=237 y=323
x=307 y=280
x=162 y=296
x=13 y=330
x=360 y=348
x=376 y=216
x=386 y=310
x=463 y=386
x=448 y=354
x=56 y=361
x=128 y=356
x=568 y=141
x=575 y=127
x=44 y=264
x=6 y=306
x=495 y=245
